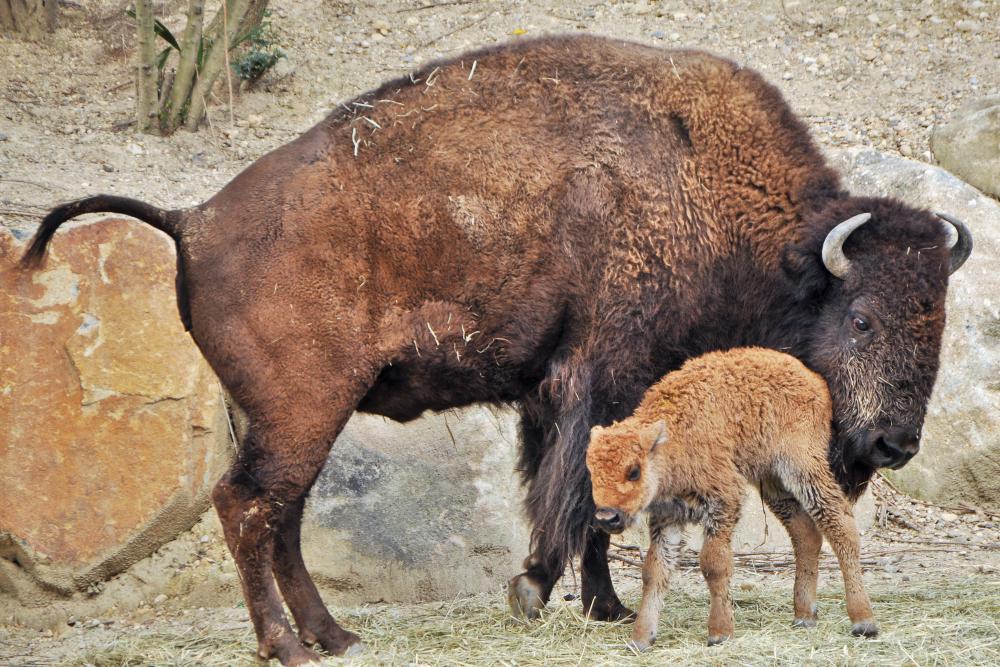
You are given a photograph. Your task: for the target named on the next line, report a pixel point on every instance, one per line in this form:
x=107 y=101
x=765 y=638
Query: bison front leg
x=555 y=431
x=528 y=592
x=600 y=602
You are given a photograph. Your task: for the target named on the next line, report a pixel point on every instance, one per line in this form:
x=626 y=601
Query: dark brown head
x=876 y=273
x=623 y=475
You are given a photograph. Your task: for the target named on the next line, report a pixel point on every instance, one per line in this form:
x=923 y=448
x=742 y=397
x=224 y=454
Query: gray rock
x=422 y=511
x=960 y=453
x=759 y=530
x=969 y=145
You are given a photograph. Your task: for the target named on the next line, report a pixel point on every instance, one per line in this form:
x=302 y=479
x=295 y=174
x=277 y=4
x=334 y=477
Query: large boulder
x=969 y=144
x=114 y=428
x=959 y=459
x=421 y=511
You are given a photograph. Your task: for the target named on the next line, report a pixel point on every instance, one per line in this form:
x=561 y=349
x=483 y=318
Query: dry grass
x=937 y=619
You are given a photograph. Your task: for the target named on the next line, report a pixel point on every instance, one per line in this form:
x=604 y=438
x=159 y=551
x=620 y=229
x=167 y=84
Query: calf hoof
x=353 y=650
x=804 y=623
x=524 y=597
x=867 y=629
x=611 y=611
x=715 y=640
x=641 y=644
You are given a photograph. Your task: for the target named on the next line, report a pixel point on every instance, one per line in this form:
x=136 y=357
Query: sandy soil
x=879 y=73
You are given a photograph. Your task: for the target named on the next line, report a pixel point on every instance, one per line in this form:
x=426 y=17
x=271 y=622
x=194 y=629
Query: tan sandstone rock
x=113 y=427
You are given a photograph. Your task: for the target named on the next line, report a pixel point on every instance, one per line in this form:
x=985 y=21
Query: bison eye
x=860 y=324
x=633 y=473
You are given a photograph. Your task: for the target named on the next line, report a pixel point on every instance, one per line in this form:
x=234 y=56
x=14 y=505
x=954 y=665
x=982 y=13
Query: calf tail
x=166 y=221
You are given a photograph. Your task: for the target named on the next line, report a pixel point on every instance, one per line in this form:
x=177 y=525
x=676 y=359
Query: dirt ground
x=880 y=73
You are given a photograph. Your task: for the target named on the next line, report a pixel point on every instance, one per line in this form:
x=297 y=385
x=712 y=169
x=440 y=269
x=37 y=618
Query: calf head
x=622 y=475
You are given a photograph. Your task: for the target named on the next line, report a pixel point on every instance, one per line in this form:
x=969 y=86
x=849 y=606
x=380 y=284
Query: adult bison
x=554 y=223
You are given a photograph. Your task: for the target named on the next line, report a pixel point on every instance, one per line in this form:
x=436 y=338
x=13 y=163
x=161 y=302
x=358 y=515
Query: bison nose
x=611 y=520
x=892 y=447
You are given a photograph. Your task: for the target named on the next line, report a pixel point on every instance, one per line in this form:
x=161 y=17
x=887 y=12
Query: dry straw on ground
x=931 y=573
x=939 y=619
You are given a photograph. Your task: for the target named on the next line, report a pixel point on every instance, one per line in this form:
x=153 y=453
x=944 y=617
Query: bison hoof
x=804 y=623
x=290 y=654
x=334 y=640
x=715 y=640
x=867 y=628
x=611 y=611
x=524 y=596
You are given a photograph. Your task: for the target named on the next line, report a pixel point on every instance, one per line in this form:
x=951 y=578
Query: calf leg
x=665 y=540
x=822 y=498
x=716 y=561
x=316 y=625
x=806 y=542
x=717 y=567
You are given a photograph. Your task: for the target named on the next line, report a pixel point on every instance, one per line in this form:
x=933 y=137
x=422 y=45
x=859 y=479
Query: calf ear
x=659 y=433
x=805 y=270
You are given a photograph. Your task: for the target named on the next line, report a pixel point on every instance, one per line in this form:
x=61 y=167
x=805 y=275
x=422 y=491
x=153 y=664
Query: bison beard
x=507 y=235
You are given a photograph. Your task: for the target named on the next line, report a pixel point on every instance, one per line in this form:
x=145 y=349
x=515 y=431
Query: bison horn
x=959 y=240
x=833 y=247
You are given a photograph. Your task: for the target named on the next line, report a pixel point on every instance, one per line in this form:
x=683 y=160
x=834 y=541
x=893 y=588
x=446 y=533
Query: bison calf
x=685 y=456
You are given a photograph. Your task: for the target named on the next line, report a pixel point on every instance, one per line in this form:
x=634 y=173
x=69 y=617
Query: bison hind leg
x=315 y=624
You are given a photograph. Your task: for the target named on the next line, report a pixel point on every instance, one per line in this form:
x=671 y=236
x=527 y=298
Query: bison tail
x=165 y=221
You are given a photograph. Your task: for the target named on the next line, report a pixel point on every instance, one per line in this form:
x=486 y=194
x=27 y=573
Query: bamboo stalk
x=235 y=11
x=186 y=68
x=254 y=14
x=146 y=101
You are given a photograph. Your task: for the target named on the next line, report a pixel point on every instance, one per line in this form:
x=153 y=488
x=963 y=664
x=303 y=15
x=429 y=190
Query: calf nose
x=609 y=519
x=893 y=447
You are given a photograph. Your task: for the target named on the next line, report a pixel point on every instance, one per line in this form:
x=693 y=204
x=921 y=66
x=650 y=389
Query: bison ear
x=805 y=270
x=658 y=431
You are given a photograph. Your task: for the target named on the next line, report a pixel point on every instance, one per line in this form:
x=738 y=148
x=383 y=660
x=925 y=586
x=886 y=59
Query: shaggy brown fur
x=685 y=456
x=557 y=228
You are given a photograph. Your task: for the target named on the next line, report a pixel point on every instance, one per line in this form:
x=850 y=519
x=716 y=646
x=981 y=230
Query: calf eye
x=633 y=473
x=861 y=324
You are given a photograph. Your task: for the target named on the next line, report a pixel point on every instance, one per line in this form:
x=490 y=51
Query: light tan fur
x=698 y=436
